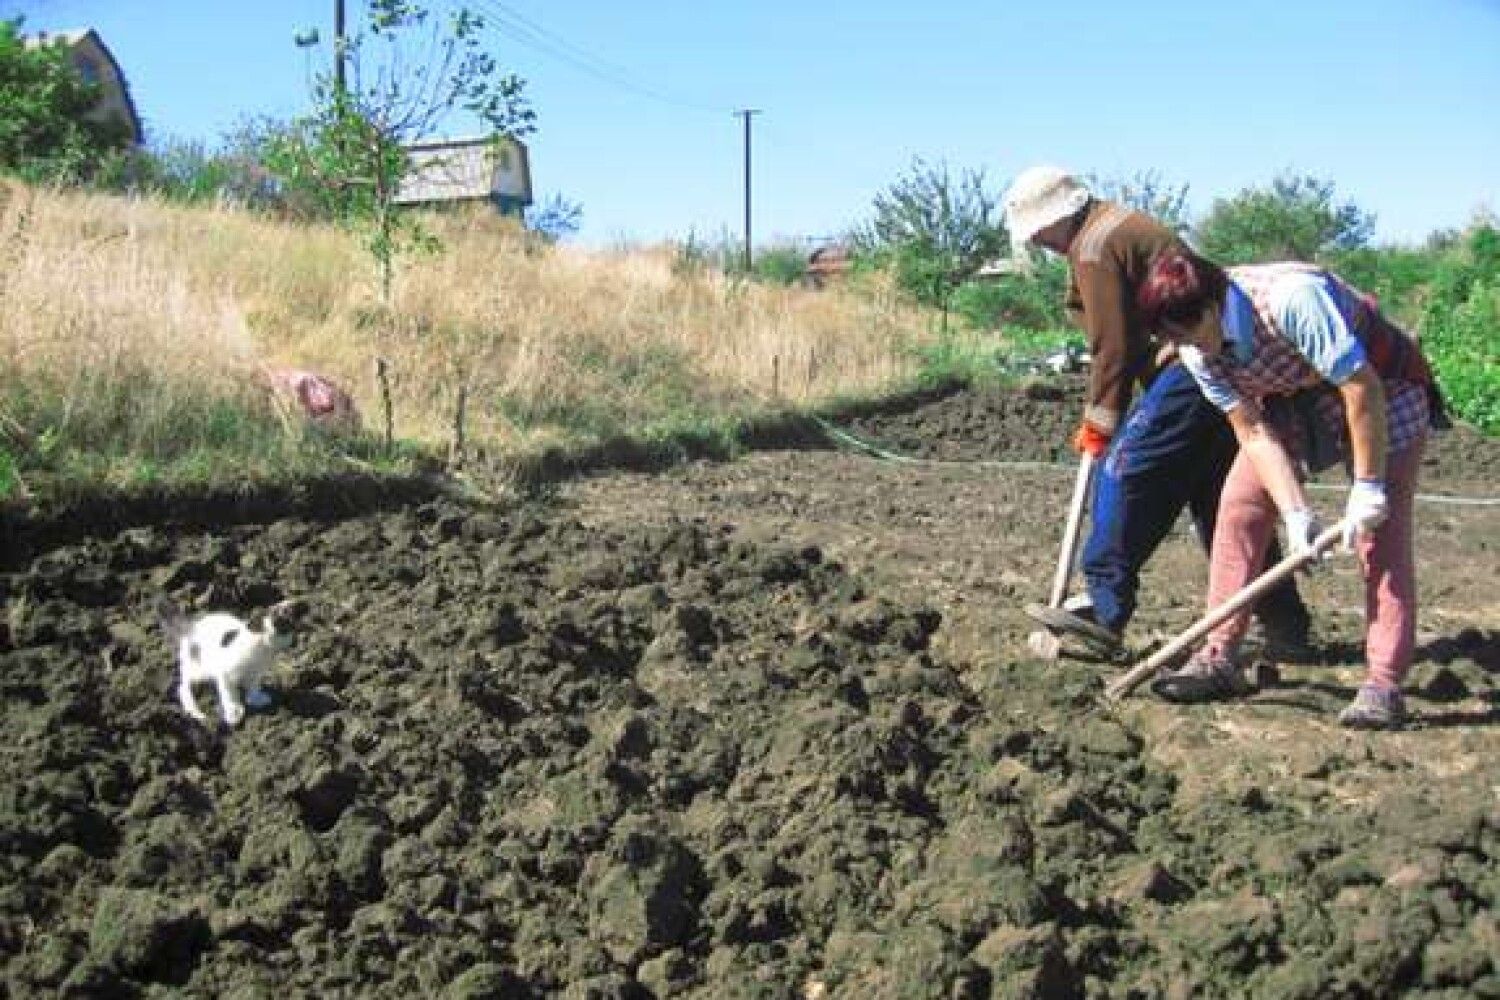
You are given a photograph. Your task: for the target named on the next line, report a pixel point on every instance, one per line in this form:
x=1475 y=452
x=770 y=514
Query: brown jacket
x=1107 y=261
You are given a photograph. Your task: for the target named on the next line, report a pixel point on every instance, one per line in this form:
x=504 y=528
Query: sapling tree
x=409 y=72
x=936 y=229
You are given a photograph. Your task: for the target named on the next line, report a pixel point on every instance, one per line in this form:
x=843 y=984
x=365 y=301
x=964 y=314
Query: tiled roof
x=461 y=170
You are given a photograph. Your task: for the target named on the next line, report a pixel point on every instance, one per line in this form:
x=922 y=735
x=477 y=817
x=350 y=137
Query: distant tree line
x=934 y=230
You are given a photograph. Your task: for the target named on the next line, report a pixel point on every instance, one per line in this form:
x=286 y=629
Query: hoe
x=1127 y=682
x=1043 y=643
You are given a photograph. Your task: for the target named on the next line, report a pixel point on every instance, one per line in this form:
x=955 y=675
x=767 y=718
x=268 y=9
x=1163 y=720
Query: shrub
x=783 y=265
x=46 y=135
x=1459 y=324
x=1033 y=301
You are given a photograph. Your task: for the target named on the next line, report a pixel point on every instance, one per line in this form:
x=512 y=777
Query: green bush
x=934 y=229
x=1033 y=302
x=46 y=134
x=190 y=172
x=1398 y=277
x=783 y=265
x=1459 y=327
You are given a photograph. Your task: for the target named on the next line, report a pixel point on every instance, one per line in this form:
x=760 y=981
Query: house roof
x=77 y=39
x=464 y=169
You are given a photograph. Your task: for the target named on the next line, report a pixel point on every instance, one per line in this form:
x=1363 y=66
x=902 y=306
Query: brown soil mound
x=757 y=729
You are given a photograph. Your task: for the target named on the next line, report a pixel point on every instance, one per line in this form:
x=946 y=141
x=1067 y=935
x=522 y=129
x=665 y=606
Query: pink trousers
x=1247 y=518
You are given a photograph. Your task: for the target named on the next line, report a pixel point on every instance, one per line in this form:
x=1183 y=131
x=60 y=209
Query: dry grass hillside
x=136 y=334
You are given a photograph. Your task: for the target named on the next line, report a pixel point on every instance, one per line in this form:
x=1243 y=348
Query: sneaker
x=1079 y=624
x=1374 y=708
x=1206 y=676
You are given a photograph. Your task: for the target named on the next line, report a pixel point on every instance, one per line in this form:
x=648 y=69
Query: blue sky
x=1397 y=102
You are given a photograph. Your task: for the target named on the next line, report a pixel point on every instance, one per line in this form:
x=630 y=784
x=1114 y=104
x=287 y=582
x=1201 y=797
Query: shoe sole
x=1098 y=638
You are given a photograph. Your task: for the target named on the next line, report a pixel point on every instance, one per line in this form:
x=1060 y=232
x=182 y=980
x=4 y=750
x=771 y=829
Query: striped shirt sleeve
x=1312 y=322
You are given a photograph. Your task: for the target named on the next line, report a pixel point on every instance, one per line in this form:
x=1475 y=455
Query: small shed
x=97 y=65
x=464 y=171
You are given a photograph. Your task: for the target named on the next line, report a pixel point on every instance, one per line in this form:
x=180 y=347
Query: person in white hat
x=1175 y=447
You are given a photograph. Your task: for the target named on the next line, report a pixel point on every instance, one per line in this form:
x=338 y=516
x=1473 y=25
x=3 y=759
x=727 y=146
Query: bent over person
x=1172 y=450
x=1260 y=332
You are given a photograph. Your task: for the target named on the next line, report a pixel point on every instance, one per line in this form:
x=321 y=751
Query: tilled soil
x=766 y=728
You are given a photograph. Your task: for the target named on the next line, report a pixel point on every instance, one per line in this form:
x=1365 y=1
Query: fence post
x=383 y=382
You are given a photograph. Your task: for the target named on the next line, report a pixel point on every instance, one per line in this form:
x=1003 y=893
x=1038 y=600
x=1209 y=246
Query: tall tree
x=45 y=132
x=1296 y=218
x=409 y=71
x=936 y=228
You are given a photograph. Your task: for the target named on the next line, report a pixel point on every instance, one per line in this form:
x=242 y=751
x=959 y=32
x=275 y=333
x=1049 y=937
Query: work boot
x=1077 y=624
x=1206 y=676
x=1374 y=707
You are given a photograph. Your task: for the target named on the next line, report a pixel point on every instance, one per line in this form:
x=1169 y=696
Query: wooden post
x=456 y=449
x=383 y=384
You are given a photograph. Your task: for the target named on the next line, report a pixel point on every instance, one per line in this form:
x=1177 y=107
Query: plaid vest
x=1391 y=351
x=1277 y=368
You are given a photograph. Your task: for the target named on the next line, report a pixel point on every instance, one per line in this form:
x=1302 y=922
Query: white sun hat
x=1038 y=197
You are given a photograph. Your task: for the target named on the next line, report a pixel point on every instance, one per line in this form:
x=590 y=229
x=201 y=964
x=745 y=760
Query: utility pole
x=745 y=114
x=338 y=49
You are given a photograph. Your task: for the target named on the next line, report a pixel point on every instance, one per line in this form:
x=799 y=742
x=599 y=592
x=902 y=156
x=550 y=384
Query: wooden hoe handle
x=1073 y=531
x=1127 y=682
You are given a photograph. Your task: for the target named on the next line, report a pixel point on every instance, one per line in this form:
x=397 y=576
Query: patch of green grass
x=10 y=477
x=973 y=357
x=103 y=442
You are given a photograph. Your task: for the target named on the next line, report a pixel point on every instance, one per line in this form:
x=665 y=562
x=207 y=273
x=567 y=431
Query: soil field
x=766 y=728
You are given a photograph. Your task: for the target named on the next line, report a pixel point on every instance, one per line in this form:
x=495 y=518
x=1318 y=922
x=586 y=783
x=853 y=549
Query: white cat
x=223 y=649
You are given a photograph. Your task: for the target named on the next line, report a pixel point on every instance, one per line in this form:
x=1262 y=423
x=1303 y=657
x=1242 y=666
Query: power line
x=529 y=33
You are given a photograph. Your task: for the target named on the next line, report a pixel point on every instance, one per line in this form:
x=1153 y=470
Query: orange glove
x=1090 y=440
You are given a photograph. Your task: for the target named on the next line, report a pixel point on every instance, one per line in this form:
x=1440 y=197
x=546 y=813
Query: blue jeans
x=1174 y=451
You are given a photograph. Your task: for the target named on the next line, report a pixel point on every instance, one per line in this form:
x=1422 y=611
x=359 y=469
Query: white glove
x=1302 y=530
x=1364 y=510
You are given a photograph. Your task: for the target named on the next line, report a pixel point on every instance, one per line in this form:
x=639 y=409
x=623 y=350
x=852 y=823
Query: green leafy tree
x=1397 y=276
x=1296 y=218
x=409 y=72
x=46 y=134
x=935 y=229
